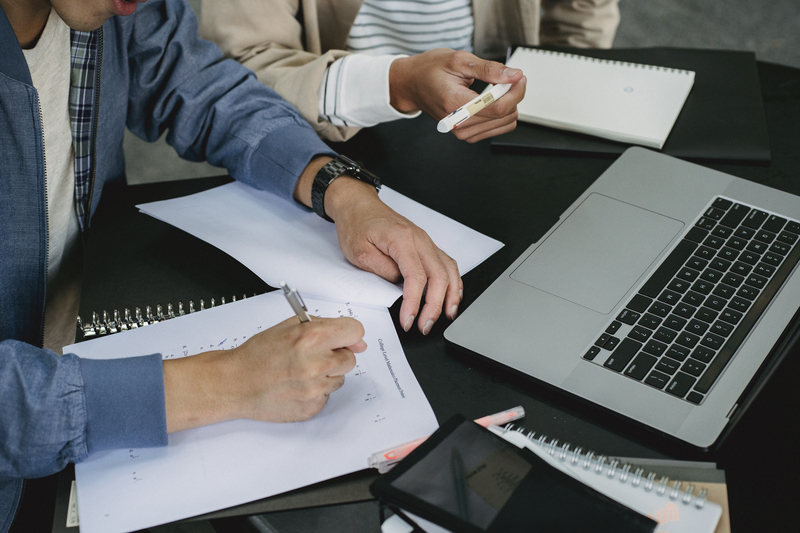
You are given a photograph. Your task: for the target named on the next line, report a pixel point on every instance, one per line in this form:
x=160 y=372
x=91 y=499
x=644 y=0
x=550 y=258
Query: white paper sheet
x=284 y=241
x=380 y=405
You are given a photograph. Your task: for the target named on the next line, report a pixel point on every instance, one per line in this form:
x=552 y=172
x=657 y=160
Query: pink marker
x=385 y=460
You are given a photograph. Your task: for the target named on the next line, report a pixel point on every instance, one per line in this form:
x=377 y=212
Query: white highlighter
x=454 y=119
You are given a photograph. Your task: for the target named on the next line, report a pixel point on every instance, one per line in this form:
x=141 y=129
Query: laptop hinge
x=733 y=410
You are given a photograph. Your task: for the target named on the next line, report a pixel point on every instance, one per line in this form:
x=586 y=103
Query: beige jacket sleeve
x=579 y=23
x=286 y=54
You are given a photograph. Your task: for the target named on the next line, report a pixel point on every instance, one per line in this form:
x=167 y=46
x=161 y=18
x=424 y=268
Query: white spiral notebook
x=676 y=506
x=626 y=102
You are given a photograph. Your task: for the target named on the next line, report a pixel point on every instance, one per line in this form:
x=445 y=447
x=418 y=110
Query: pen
x=385 y=460
x=454 y=119
x=296 y=302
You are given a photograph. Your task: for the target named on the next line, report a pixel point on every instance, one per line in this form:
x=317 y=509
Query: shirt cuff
x=124 y=402
x=355 y=92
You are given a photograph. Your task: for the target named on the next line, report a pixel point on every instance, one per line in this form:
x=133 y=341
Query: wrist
x=400 y=91
x=197 y=391
x=346 y=193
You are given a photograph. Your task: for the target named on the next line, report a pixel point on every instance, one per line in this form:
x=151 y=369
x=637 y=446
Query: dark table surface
x=134 y=260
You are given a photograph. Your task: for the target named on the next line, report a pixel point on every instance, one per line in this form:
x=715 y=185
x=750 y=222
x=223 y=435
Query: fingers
x=498 y=118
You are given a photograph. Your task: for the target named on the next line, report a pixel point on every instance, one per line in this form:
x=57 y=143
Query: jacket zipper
x=95 y=113
x=46 y=222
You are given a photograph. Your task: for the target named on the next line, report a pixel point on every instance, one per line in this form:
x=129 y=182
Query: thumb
x=490 y=71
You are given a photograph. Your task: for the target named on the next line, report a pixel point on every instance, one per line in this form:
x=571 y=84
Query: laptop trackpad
x=598 y=253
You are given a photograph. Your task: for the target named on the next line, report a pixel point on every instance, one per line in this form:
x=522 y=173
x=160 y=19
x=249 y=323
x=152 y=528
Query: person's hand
x=374 y=237
x=437 y=82
x=284 y=374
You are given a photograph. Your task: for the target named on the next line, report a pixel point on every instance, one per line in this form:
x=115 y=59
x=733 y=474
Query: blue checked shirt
x=83 y=58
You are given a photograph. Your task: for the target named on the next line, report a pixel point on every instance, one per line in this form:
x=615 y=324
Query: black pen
x=296 y=302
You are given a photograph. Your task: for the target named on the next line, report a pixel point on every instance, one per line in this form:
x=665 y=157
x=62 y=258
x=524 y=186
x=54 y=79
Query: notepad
x=678 y=507
x=626 y=102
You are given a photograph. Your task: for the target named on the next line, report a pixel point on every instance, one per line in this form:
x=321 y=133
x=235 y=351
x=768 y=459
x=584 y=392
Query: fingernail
x=409 y=323
x=428 y=326
x=509 y=72
x=453 y=311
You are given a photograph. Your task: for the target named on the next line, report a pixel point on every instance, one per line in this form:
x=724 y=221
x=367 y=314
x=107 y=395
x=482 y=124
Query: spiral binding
x=115 y=322
x=606 y=61
x=611 y=467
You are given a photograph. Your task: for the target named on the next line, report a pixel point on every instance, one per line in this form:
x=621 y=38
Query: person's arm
x=579 y=23
x=59 y=409
x=267 y=37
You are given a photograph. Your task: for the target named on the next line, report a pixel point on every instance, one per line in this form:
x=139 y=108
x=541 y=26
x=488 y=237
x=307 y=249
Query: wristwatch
x=333 y=169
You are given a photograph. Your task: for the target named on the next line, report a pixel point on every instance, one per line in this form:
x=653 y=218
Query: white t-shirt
x=49 y=65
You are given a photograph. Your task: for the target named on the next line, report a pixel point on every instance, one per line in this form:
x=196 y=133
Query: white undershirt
x=355 y=90
x=49 y=65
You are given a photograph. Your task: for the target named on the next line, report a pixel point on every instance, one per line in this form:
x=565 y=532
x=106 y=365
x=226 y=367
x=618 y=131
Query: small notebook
x=627 y=102
x=677 y=506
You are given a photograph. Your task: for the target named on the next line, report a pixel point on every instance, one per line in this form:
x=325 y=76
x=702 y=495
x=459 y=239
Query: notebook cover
x=504 y=488
x=722 y=120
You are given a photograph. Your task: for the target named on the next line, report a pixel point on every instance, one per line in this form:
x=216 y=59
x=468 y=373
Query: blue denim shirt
x=155 y=75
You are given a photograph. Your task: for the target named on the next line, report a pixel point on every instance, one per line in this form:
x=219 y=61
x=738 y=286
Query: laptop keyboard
x=684 y=325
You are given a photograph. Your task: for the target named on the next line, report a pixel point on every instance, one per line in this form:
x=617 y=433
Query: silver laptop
x=664 y=293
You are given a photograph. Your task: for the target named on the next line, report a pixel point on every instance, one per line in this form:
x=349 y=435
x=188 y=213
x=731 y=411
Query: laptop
x=666 y=293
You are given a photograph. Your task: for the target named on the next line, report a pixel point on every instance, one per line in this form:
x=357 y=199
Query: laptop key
x=592 y=353
x=693 y=367
x=628 y=317
x=660 y=309
x=680 y=384
x=655 y=347
x=640 y=334
x=677 y=352
x=788 y=238
x=657 y=379
x=703 y=354
x=735 y=215
x=731 y=316
x=695 y=397
x=668 y=365
x=755 y=219
x=622 y=355
x=774 y=224
x=640 y=366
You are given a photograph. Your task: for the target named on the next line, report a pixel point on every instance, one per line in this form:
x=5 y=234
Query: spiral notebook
x=676 y=506
x=627 y=102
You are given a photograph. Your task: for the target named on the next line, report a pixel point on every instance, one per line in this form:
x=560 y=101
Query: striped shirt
x=411 y=26
x=355 y=90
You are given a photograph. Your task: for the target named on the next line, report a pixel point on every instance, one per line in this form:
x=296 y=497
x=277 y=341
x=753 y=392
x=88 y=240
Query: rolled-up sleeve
x=59 y=409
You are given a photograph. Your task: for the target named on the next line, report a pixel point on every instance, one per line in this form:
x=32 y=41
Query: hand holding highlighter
x=474 y=106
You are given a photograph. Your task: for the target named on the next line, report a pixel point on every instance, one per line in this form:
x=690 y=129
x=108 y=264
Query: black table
x=134 y=260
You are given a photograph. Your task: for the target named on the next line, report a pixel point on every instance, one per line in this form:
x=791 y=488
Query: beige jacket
x=290 y=43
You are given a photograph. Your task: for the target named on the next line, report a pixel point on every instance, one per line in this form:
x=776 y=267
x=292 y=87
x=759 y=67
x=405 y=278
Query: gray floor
x=770 y=28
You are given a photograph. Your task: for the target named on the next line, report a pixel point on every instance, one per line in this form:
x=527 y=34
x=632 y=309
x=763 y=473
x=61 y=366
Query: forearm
x=59 y=409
